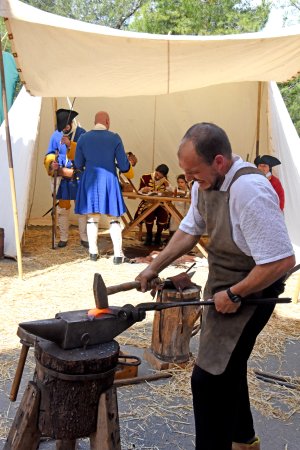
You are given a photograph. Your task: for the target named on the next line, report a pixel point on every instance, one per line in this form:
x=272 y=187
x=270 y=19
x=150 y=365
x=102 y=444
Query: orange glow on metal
x=96 y=312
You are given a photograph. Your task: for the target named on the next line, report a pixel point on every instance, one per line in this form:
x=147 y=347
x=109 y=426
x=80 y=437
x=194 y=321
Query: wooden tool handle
x=123 y=287
x=131 y=285
x=19 y=372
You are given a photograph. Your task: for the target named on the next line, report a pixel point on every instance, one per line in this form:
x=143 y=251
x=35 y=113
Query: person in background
x=60 y=156
x=154 y=183
x=235 y=204
x=127 y=186
x=132 y=159
x=182 y=190
x=99 y=153
x=265 y=163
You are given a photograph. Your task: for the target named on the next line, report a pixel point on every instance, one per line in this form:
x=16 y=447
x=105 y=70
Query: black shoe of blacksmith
x=93 y=257
x=85 y=244
x=121 y=260
x=62 y=244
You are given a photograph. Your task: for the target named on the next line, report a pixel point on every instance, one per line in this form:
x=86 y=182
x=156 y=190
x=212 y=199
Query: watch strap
x=235 y=298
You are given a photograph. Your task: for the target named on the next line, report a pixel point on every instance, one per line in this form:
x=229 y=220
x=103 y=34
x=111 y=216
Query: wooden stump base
x=72 y=396
x=160 y=364
x=25 y=434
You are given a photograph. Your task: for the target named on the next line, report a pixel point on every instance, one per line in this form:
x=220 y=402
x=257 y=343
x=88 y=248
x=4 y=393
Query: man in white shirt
x=237 y=207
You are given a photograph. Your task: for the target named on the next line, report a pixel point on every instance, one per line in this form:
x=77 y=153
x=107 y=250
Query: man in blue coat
x=100 y=152
x=60 y=156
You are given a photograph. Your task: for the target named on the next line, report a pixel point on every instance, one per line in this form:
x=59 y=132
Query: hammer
x=101 y=291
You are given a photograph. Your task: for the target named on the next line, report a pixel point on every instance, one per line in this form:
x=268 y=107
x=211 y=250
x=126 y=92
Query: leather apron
x=227 y=266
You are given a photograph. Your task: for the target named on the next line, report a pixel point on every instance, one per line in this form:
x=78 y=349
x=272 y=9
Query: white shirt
x=258 y=226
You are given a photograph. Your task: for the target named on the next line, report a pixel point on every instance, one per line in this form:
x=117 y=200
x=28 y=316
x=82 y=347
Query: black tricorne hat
x=64 y=117
x=267 y=159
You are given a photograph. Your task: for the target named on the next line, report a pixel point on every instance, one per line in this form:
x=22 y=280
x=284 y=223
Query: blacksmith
x=238 y=208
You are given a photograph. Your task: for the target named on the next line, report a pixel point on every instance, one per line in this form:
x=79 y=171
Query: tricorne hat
x=64 y=117
x=271 y=161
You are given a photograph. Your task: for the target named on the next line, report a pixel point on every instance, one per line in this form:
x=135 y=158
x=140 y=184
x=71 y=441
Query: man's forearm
x=180 y=244
x=263 y=276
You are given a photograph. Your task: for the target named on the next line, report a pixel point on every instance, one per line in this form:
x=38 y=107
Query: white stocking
x=92 y=234
x=115 y=231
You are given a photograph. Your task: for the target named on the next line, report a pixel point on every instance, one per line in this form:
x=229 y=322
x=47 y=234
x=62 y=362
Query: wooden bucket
x=172 y=328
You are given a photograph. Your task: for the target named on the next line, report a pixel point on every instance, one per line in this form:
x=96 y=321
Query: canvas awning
x=65 y=57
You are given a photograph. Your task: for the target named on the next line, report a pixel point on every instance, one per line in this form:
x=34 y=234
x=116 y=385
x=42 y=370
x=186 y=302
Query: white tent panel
x=24 y=118
x=102 y=62
x=152 y=127
x=285 y=144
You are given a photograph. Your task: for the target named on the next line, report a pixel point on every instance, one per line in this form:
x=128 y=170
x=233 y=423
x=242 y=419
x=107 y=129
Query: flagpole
x=10 y=166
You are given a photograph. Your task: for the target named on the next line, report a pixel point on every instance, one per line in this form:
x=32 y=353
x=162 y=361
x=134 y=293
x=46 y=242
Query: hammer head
x=100 y=292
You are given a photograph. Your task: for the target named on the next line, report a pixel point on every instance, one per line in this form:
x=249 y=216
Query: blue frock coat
x=99 y=151
x=68 y=187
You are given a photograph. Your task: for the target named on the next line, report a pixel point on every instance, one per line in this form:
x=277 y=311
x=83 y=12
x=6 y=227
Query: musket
x=49 y=210
x=53 y=213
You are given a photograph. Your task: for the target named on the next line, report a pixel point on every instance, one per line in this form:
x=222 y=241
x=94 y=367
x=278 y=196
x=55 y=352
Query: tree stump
x=172 y=329
x=71 y=382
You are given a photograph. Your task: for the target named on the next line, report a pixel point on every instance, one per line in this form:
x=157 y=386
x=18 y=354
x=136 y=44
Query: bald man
x=98 y=154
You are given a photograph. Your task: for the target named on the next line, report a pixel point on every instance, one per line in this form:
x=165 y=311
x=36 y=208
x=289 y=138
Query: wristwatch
x=235 y=298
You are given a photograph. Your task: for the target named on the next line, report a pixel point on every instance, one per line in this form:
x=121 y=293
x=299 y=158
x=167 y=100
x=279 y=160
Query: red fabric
x=275 y=182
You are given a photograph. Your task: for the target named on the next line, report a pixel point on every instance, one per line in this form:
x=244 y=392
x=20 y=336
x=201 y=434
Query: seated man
x=154 y=182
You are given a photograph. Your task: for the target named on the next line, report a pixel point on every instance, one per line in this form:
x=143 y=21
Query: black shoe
x=157 y=241
x=85 y=244
x=93 y=257
x=121 y=260
x=62 y=244
x=148 y=241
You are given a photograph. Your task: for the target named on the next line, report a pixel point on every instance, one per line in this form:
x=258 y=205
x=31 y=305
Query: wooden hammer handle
x=19 y=372
x=123 y=287
x=131 y=285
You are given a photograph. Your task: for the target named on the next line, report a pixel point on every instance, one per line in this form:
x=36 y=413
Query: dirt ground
x=62 y=280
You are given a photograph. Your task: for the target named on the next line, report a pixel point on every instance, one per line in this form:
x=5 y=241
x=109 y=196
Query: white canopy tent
x=154 y=88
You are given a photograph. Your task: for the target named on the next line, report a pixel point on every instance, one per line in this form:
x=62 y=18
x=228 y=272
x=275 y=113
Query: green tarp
x=11 y=79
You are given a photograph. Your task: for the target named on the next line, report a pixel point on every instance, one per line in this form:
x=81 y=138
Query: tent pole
x=258 y=118
x=54 y=105
x=154 y=134
x=11 y=168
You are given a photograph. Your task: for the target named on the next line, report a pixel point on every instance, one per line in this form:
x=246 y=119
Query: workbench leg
x=107 y=436
x=66 y=444
x=24 y=433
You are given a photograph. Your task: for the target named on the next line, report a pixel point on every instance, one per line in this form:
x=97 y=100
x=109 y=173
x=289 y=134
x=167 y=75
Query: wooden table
x=168 y=203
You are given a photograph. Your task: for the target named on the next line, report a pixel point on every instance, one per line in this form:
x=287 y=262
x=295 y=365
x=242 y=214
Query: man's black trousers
x=221 y=402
